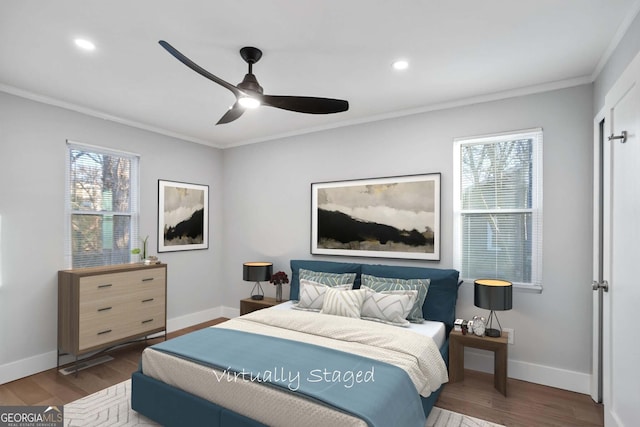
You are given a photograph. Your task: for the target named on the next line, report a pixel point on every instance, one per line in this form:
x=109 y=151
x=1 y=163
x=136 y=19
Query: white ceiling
x=459 y=51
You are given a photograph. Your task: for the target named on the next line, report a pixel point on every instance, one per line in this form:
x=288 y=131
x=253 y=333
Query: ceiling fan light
x=84 y=44
x=400 y=64
x=249 y=102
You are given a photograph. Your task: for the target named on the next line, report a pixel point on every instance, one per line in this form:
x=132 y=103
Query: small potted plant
x=279 y=279
x=143 y=253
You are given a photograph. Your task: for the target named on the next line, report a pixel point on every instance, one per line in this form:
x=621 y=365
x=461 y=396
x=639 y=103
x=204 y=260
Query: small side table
x=457 y=343
x=248 y=305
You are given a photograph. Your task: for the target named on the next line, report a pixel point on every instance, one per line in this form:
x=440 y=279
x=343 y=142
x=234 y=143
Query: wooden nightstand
x=248 y=305
x=457 y=343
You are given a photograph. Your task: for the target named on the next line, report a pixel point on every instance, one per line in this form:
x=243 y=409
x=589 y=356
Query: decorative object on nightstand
x=479 y=325
x=279 y=279
x=257 y=272
x=493 y=294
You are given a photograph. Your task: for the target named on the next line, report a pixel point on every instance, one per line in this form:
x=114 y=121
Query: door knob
x=622 y=136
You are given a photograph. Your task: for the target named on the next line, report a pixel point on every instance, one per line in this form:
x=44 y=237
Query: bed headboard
x=440 y=304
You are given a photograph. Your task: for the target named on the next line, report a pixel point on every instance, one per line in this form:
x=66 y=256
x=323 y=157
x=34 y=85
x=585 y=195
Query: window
x=498 y=207
x=102 y=206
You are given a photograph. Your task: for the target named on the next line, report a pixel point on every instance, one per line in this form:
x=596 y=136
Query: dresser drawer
x=117 y=285
x=122 y=321
x=148 y=318
x=98 y=328
x=143 y=301
x=95 y=312
x=105 y=305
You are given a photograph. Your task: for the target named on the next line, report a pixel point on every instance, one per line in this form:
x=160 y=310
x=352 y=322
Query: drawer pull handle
x=104 y=332
x=108 y=285
x=148 y=279
x=147 y=321
x=148 y=300
x=105 y=308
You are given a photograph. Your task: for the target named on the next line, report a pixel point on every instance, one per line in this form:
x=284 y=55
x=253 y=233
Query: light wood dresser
x=100 y=307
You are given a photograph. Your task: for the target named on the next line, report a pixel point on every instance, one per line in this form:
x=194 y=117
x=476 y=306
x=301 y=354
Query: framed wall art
x=394 y=217
x=183 y=216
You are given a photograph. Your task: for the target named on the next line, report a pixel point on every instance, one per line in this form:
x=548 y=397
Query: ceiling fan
x=249 y=93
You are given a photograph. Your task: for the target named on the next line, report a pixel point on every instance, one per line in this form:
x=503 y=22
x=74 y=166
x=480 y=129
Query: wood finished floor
x=527 y=404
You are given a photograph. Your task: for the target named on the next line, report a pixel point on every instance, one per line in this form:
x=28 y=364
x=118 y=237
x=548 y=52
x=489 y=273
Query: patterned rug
x=111 y=407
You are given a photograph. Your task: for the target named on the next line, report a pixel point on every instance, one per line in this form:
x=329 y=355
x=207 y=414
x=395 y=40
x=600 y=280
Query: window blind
x=498 y=207
x=101 y=200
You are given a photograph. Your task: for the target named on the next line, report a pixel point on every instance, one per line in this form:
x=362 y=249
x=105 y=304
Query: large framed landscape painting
x=394 y=217
x=183 y=213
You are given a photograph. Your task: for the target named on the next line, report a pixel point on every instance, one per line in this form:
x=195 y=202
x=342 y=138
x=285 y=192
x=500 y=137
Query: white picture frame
x=183 y=216
x=392 y=217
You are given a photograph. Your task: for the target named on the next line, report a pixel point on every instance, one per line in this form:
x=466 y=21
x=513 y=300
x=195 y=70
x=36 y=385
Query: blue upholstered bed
x=169 y=405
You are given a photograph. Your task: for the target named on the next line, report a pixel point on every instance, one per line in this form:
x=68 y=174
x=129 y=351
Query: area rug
x=112 y=407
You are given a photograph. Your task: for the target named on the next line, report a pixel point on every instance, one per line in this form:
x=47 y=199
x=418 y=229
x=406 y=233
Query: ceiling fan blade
x=198 y=69
x=306 y=104
x=233 y=113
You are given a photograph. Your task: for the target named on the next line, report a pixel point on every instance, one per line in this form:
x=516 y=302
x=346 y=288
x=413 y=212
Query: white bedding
x=265 y=404
x=428 y=328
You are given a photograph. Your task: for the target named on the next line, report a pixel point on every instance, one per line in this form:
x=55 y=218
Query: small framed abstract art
x=394 y=217
x=183 y=216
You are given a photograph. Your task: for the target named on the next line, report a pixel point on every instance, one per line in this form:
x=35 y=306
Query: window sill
x=518 y=287
x=529 y=289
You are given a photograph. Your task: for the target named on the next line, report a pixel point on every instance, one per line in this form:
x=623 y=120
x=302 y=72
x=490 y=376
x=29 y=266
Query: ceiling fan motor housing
x=250 y=84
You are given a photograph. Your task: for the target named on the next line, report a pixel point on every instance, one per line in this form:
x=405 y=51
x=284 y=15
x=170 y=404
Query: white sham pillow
x=390 y=307
x=384 y=284
x=346 y=303
x=311 y=295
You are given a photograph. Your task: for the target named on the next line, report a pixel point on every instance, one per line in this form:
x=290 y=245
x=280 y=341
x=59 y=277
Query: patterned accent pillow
x=390 y=307
x=343 y=303
x=382 y=284
x=312 y=295
x=329 y=279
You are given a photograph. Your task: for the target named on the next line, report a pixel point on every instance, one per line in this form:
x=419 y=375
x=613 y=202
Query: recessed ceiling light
x=401 y=64
x=84 y=44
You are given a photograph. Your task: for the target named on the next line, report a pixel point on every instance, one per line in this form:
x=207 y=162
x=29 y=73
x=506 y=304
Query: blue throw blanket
x=358 y=385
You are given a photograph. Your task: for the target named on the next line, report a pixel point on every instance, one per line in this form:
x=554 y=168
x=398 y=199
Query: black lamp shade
x=493 y=294
x=257 y=271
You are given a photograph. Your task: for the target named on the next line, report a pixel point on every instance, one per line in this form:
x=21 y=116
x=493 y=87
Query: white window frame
x=134 y=212
x=536 y=203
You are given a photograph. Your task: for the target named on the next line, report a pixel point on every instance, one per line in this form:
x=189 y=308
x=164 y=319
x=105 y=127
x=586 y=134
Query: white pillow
x=384 y=284
x=311 y=295
x=343 y=303
x=391 y=307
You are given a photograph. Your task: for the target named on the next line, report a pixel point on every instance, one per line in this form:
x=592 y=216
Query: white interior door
x=621 y=255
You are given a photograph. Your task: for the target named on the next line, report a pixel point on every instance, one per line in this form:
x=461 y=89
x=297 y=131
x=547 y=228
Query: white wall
x=32 y=174
x=624 y=52
x=267 y=203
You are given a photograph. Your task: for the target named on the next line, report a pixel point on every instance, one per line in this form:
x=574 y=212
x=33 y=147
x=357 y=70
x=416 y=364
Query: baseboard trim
x=230 y=312
x=181 y=322
x=24 y=367
x=579 y=382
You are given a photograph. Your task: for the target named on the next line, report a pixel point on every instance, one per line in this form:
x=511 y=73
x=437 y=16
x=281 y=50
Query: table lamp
x=257 y=272
x=493 y=294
